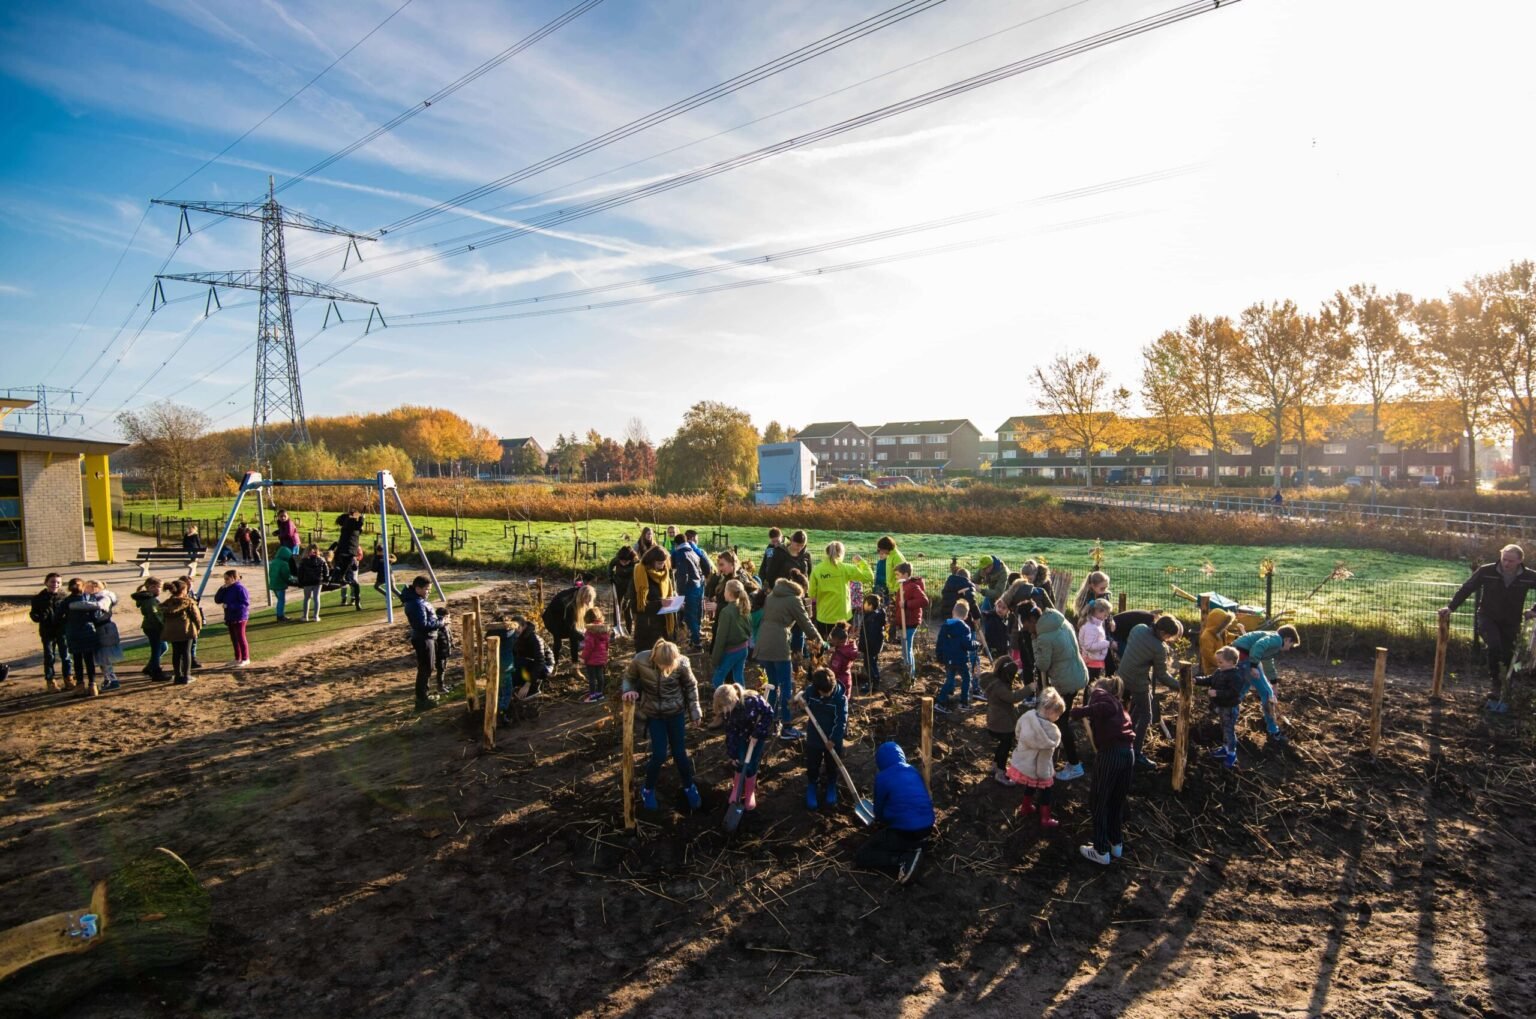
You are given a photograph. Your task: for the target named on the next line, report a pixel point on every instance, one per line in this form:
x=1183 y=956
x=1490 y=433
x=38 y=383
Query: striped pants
x=1112 y=768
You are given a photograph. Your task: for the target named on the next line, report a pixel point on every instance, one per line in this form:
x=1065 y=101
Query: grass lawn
x=269 y=638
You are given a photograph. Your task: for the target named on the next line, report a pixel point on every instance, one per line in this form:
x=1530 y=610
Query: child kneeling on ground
x=903 y=806
x=1033 y=764
x=1227 y=685
x=1113 y=737
x=824 y=701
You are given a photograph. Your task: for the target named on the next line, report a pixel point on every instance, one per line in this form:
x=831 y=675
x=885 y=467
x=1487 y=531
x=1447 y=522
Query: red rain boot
x=736 y=792
x=750 y=790
x=1027 y=806
x=1046 y=820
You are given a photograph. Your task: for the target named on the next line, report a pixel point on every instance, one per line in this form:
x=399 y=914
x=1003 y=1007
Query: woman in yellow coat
x=829 y=587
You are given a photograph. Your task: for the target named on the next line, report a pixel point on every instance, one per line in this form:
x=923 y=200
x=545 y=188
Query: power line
x=1130 y=30
x=731 y=130
x=102 y=293
x=284 y=104
x=890 y=233
x=447 y=90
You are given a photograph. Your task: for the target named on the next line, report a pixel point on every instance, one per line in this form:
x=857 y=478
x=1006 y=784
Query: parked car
x=856 y=482
x=1355 y=481
x=1429 y=481
x=1118 y=476
x=894 y=481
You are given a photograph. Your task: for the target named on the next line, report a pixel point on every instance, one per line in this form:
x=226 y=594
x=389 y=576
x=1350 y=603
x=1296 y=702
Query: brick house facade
x=841 y=447
x=927 y=448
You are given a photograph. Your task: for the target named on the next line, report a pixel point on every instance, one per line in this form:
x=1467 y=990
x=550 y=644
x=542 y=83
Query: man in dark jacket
x=349 y=549
x=778 y=561
x=621 y=574
x=903 y=805
x=1501 y=588
x=424 y=623
x=48 y=613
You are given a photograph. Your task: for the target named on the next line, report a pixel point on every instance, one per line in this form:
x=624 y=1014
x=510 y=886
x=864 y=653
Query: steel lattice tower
x=277 y=414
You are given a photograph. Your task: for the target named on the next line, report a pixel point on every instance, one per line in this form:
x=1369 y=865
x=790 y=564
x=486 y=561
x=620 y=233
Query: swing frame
x=383 y=484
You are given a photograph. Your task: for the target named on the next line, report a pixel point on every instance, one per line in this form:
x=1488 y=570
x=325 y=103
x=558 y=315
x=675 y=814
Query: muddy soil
x=366 y=861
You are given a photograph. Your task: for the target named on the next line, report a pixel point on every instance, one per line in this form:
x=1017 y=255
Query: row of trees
x=1423 y=371
x=599 y=457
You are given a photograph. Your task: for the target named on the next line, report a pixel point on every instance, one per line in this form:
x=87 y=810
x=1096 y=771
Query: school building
x=44 y=481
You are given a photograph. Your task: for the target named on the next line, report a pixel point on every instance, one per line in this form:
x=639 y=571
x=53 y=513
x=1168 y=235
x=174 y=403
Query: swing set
x=383 y=484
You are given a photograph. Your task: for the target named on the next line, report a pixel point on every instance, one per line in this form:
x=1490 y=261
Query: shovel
x=737 y=809
x=863 y=809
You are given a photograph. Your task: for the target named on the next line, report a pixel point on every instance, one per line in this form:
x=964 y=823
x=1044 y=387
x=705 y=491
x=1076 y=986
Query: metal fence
x=1498 y=526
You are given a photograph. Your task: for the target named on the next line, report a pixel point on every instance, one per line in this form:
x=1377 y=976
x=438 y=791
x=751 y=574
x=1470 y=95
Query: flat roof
x=26 y=442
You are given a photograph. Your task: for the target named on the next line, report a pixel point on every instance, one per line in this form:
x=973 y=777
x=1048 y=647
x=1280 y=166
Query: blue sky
x=1298 y=146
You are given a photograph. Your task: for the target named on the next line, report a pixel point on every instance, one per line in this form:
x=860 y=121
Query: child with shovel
x=749 y=723
x=827 y=706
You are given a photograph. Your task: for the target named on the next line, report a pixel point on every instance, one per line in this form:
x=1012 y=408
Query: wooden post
x=1122 y=601
x=1442 y=642
x=492 y=693
x=1181 y=729
x=538 y=609
x=1378 y=693
x=629 y=765
x=926 y=746
x=471 y=657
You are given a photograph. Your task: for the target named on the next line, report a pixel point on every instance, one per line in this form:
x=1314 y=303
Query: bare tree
x=170 y=438
x=1085 y=407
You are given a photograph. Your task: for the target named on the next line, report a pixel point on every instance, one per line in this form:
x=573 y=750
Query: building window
x=882 y=456
x=1335 y=448
x=1185 y=472
x=1289 y=449
x=914 y=455
x=1041 y=454
x=1228 y=471
x=1199 y=451
x=1387 y=447
x=10 y=509
x=911 y=440
x=1241 y=450
x=1365 y=471
x=1075 y=454
x=886 y=440
x=1438 y=447
x=1267 y=471
x=1004 y=436
x=940 y=439
x=1415 y=471
x=1106 y=453
x=1010 y=454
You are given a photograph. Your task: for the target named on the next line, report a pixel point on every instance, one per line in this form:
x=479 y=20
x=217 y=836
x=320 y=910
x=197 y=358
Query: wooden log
x=471 y=659
x=152 y=912
x=1181 y=728
x=1122 y=601
x=492 y=692
x=629 y=765
x=925 y=748
x=1378 y=694
x=1442 y=643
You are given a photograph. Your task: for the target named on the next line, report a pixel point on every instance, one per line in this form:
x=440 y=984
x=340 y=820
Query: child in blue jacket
x=955 y=648
x=1227 y=685
x=746 y=716
x=903 y=806
x=824 y=701
x=1257 y=651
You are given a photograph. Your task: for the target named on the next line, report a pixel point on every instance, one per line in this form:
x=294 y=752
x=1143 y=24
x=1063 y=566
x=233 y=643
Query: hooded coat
x=914 y=603
x=418 y=614
x=280 y=572
x=1216 y=630
x=1034 y=749
x=1145 y=662
x=784 y=607
x=901 y=799
x=991 y=580
x=1003 y=700
x=829 y=587
x=183 y=619
x=662 y=696
x=1056 y=654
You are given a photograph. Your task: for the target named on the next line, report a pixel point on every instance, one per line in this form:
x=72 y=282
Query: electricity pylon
x=278 y=396
x=40 y=410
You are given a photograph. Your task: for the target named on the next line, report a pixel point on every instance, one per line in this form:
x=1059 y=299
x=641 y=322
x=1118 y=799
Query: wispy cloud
x=11 y=290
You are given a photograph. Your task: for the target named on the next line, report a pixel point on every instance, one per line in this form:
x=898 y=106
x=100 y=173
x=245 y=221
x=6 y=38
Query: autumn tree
x=639 y=460
x=368 y=460
x=567 y=455
x=715 y=449
x=1085 y=407
x=170 y=439
x=1322 y=366
x=1457 y=354
x=1165 y=396
x=524 y=460
x=1382 y=357
x=774 y=432
x=1511 y=303
x=606 y=461
x=1267 y=374
x=1207 y=349
x=307 y=461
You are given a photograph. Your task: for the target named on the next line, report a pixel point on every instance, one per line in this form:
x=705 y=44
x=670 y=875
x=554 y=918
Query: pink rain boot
x=750 y=793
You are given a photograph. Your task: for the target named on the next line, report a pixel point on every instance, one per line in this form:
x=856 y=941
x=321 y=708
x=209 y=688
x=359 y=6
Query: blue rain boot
x=648 y=798
x=829 y=796
x=692 y=792
x=811 y=803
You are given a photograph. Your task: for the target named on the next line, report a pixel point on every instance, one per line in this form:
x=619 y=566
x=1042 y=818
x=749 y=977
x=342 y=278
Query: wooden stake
x=471 y=657
x=629 y=765
x=1378 y=693
x=538 y=610
x=1442 y=641
x=1181 y=729
x=492 y=693
x=926 y=746
x=1122 y=601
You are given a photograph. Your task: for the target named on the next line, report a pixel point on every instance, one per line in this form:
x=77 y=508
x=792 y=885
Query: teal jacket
x=1263 y=646
x=1145 y=661
x=280 y=570
x=1057 y=656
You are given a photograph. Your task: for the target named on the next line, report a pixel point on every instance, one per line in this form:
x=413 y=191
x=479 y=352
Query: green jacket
x=1057 y=656
x=993 y=580
x=280 y=569
x=1262 y=646
x=892 y=560
x=731 y=630
x=784 y=607
x=829 y=586
x=1145 y=661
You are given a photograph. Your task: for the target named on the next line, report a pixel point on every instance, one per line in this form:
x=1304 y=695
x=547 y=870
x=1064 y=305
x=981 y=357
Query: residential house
x=927 y=448
x=841 y=447
x=513 y=459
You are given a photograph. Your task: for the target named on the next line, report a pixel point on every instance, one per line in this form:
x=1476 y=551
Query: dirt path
x=363 y=860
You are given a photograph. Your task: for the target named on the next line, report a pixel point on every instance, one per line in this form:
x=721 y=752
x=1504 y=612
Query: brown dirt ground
x=366 y=861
